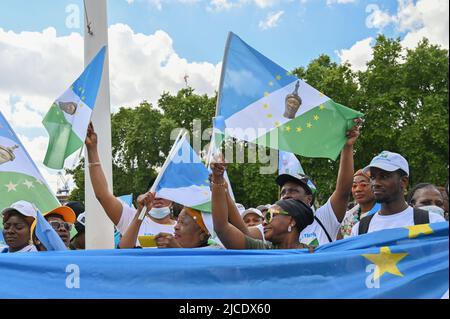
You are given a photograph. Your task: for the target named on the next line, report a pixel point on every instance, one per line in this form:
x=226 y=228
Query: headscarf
x=197 y=217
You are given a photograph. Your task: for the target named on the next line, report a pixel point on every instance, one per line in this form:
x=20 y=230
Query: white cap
x=23 y=207
x=252 y=211
x=389 y=161
x=240 y=208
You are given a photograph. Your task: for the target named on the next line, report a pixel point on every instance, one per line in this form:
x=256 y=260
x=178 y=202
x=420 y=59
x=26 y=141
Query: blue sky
x=304 y=31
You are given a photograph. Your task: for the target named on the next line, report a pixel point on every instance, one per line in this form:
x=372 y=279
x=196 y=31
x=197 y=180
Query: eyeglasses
x=271 y=213
x=56 y=225
x=361 y=184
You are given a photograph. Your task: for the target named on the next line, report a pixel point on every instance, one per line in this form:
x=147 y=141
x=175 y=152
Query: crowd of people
x=293 y=222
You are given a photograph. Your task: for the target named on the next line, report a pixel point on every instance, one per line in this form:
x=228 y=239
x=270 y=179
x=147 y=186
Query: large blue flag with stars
x=409 y=262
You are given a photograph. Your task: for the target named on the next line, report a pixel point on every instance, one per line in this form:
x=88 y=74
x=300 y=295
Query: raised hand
x=91 y=137
x=146 y=200
x=353 y=134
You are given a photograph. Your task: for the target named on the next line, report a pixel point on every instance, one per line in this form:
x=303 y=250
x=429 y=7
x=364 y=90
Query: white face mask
x=160 y=213
x=433 y=209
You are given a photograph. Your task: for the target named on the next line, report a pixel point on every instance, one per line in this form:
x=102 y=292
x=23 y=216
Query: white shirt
x=25 y=249
x=402 y=219
x=314 y=235
x=148 y=226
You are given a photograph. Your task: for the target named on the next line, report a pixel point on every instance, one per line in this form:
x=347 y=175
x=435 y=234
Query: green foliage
x=403 y=94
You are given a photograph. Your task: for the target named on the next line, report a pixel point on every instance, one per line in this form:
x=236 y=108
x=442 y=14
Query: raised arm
x=230 y=236
x=339 y=199
x=109 y=202
x=128 y=239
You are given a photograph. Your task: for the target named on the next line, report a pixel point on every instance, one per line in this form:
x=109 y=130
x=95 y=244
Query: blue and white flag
x=184 y=178
x=288 y=163
x=263 y=103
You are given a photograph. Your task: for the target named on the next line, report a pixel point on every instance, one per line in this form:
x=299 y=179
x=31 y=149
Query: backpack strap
x=421 y=216
x=364 y=223
x=324 y=229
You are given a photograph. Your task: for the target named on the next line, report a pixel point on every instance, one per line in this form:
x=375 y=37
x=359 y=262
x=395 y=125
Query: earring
x=289 y=228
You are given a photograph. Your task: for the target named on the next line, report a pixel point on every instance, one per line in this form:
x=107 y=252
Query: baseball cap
x=77 y=207
x=252 y=211
x=67 y=213
x=23 y=207
x=301 y=179
x=389 y=161
x=240 y=208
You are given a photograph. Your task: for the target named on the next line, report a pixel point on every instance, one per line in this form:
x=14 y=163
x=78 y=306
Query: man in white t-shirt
x=327 y=218
x=389 y=176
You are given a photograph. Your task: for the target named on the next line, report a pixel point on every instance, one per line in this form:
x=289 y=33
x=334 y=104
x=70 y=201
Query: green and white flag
x=263 y=103
x=69 y=116
x=20 y=178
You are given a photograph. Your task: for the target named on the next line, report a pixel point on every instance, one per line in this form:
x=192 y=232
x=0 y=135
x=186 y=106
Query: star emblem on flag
x=11 y=186
x=386 y=262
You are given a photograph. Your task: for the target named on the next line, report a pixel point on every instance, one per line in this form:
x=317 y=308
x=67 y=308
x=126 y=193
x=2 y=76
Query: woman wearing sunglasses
x=283 y=221
x=61 y=219
x=365 y=203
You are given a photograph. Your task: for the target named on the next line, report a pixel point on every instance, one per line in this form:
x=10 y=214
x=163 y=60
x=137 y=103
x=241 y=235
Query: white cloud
x=358 y=54
x=377 y=18
x=266 y=3
x=38 y=66
x=415 y=21
x=330 y=2
x=424 y=18
x=271 y=20
x=129 y=1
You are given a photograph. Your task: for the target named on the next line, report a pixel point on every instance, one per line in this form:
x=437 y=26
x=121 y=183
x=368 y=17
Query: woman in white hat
x=17 y=221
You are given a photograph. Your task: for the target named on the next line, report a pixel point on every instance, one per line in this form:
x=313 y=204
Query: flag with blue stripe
x=263 y=103
x=409 y=262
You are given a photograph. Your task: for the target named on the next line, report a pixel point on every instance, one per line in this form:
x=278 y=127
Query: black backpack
x=420 y=217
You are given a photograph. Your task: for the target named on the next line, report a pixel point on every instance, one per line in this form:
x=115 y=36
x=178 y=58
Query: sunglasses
x=56 y=225
x=361 y=184
x=271 y=213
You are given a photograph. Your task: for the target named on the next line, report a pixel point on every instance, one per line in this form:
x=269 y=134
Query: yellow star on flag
x=288 y=128
x=386 y=261
x=269 y=116
x=316 y=117
x=298 y=129
x=415 y=231
x=270 y=83
x=321 y=107
x=265 y=105
x=277 y=123
x=308 y=125
x=83 y=98
x=278 y=77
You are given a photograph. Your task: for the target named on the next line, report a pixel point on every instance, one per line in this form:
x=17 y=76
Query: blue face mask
x=433 y=209
x=159 y=213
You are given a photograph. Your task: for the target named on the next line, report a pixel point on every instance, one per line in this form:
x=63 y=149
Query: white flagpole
x=99 y=229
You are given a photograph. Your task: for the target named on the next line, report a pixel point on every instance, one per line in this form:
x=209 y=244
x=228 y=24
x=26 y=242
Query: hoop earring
x=289 y=228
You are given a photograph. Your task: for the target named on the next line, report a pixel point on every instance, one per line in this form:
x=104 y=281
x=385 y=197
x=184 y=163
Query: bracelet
x=94 y=164
x=217 y=184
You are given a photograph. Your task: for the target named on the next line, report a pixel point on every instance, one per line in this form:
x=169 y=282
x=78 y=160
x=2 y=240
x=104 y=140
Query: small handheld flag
x=68 y=118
